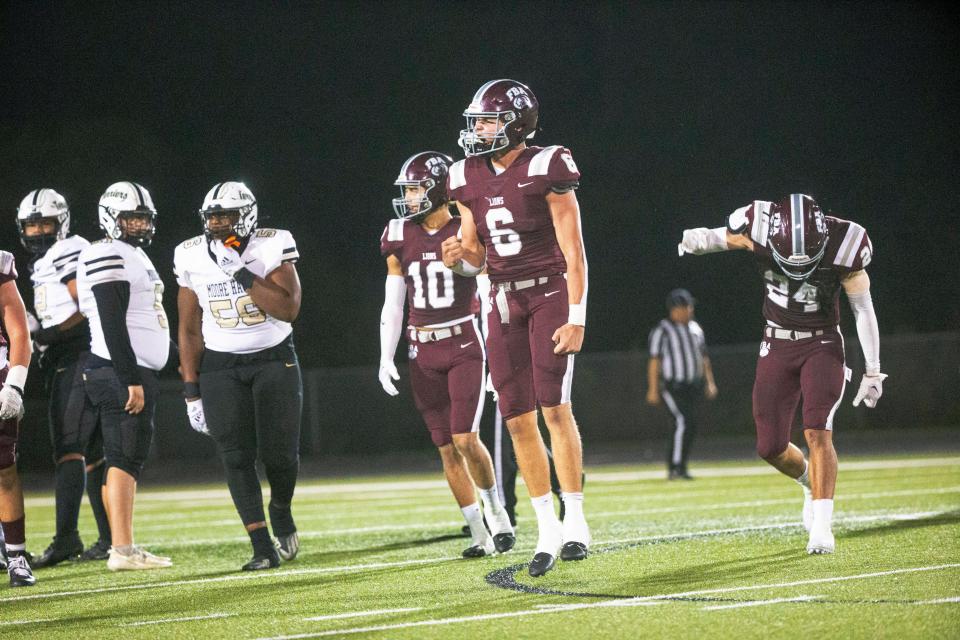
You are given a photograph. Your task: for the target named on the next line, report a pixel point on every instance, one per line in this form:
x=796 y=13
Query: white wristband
x=17 y=376
x=464 y=268
x=578 y=315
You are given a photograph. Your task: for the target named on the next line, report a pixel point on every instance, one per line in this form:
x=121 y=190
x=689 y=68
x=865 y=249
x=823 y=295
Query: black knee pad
x=239 y=459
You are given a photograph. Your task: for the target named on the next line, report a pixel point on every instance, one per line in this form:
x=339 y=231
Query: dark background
x=677 y=113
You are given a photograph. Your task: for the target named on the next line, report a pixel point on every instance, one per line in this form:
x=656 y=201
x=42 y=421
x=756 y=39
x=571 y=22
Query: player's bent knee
x=8 y=457
x=771 y=450
x=131 y=466
x=239 y=459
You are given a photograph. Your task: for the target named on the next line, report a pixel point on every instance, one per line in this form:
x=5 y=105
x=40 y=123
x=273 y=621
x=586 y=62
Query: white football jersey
x=111 y=261
x=52 y=302
x=232 y=323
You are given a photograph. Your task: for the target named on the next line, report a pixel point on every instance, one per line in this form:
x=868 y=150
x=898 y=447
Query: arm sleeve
x=391 y=317
x=53 y=335
x=112 y=299
x=867 y=329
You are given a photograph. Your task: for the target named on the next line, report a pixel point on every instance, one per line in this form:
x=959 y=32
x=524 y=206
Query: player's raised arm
x=565 y=211
x=464 y=254
x=739 y=233
x=391 y=323
x=857 y=287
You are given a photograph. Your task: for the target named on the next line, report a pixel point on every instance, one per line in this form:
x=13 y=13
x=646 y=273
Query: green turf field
x=722 y=556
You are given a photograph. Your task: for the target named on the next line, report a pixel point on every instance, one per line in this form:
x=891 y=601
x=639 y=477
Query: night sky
x=676 y=113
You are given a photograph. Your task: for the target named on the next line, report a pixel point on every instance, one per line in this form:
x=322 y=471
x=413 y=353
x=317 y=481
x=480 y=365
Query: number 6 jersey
x=232 y=323
x=511 y=211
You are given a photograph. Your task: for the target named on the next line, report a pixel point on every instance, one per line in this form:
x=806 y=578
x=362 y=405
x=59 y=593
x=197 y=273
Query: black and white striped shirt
x=681 y=349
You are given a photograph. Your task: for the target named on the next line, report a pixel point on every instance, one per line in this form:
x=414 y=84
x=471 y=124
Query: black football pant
x=252 y=405
x=683 y=401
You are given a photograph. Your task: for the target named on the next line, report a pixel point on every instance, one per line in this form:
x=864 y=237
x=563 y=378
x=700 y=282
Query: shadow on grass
x=937 y=520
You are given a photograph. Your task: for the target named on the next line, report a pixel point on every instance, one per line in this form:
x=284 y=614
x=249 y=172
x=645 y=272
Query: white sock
x=823 y=513
x=573 y=503
x=16 y=547
x=491 y=499
x=546 y=516
x=474 y=518
x=804 y=479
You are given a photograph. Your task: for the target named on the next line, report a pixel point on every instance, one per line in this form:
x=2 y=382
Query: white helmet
x=234 y=197
x=39 y=204
x=123 y=198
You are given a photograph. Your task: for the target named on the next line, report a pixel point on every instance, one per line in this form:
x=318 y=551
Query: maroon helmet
x=515 y=108
x=427 y=170
x=798 y=235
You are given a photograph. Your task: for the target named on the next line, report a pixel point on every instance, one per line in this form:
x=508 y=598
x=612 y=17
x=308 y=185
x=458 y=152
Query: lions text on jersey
x=115 y=261
x=232 y=323
x=51 y=273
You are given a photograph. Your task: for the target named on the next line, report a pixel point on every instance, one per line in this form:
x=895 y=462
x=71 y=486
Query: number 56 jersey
x=232 y=322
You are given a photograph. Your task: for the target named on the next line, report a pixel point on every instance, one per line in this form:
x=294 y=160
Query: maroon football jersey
x=811 y=303
x=435 y=294
x=511 y=212
x=8 y=272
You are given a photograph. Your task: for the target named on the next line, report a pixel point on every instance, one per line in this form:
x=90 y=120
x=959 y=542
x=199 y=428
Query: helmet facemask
x=40 y=242
x=798 y=266
x=124 y=225
x=798 y=236
x=475 y=144
x=420 y=208
x=245 y=224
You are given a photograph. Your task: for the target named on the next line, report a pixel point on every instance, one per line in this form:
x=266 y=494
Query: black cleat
x=59 y=550
x=259 y=563
x=99 y=550
x=503 y=542
x=19 y=570
x=541 y=563
x=573 y=551
x=479 y=550
x=288 y=546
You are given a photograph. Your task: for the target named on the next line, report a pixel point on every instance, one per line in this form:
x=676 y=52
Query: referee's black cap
x=680 y=298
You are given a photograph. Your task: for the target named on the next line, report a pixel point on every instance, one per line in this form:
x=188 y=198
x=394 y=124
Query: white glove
x=226 y=258
x=11 y=403
x=388 y=370
x=871 y=388
x=703 y=240
x=195 y=413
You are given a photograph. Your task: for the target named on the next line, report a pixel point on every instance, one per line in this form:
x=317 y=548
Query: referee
x=679 y=373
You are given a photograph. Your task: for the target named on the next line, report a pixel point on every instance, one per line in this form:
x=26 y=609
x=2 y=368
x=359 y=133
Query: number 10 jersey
x=232 y=322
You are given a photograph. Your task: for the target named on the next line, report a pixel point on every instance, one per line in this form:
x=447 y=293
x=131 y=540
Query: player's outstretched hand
x=388 y=373
x=452 y=251
x=198 y=421
x=568 y=338
x=871 y=388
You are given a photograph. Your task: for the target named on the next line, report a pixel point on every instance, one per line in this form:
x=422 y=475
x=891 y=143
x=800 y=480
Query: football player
x=14 y=362
x=121 y=294
x=62 y=335
x=445 y=345
x=805 y=259
x=239 y=293
x=520 y=218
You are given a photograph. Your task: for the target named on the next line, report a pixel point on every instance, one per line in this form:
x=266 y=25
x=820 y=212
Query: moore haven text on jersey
x=232 y=323
x=115 y=261
x=50 y=275
x=511 y=212
x=436 y=296
x=809 y=303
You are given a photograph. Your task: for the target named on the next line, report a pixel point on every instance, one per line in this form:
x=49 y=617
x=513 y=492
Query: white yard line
x=760 y=603
x=361 y=614
x=13 y=622
x=626 y=602
x=169 y=620
x=378 y=487
x=940 y=601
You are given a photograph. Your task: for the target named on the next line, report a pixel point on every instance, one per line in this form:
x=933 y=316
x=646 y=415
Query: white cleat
x=820 y=542
x=807 y=508
x=138 y=560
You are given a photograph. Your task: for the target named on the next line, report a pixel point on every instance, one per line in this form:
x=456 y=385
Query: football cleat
x=480 y=549
x=807 y=515
x=541 y=563
x=59 y=550
x=573 y=551
x=19 y=570
x=259 y=563
x=288 y=546
x=99 y=550
x=503 y=542
x=820 y=542
x=502 y=530
x=137 y=560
